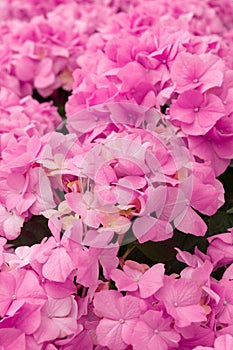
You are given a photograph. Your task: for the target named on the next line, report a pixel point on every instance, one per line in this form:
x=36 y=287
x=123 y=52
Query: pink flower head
x=154 y=331
x=196 y=113
x=225 y=314
x=136 y=175
x=119 y=316
x=19 y=287
x=216 y=145
x=137 y=85
x=194 y=71
x=54 y=256
x=49 y=46
x=128 y=172
x=58 y=319
x=26 y=116
x=133 y=278
x=182 y=301
x=10 y=223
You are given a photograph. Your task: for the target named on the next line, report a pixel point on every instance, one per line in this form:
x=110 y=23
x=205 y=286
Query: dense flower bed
x=116 y=206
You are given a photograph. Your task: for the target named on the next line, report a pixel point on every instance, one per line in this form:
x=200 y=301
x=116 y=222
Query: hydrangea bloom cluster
x=148 y=57
x=149 y=129
x=23 y=124
x=12 y=9
x=65 y=306
x=42 y=54
x=211 y=16
x=123 y=172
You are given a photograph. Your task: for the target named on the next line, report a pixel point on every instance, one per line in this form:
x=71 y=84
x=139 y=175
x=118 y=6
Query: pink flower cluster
x=149 y=128
x=23 y=124
x=211 y=16
x=42 y=54
x=121 y=173
x=13 y=9
x=154 y=59
x=113 y=174
x=46 y=304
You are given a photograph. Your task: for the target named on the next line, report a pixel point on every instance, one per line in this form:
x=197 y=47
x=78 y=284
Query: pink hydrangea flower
x=195 y=71
x=224 y=315
x=10 y=223
x=58 y=320
x=182 y=301
x=45 y=49
x=134 y=277
x=51 y=255
x=154 y=331
x=216 y=145
x=119 y=316
x=19 y=287
x=127 y=172
x=196 y=113
x=26 y=116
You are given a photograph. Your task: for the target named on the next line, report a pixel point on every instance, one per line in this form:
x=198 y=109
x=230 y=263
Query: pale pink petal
x=191 y=223
x=105 y=304
x=7 y=290
x=55 y=269
x=151 y=281
x=109 y=334
x=149 y=228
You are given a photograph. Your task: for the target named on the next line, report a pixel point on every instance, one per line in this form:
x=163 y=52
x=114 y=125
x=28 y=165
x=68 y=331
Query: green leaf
x=219 y=223
x=230 y=211
x=158 y=251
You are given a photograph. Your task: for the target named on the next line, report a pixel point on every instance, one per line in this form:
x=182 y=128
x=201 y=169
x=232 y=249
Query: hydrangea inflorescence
x=103 y=212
